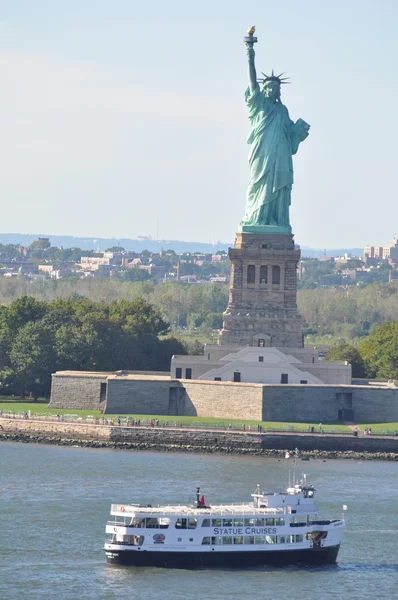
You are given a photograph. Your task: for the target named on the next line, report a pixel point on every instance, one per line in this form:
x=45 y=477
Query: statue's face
x=272 y=90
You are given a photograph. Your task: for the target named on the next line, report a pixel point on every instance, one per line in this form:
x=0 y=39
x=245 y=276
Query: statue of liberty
x=274 y=138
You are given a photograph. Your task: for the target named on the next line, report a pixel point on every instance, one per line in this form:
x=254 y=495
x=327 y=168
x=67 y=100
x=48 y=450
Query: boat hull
x=229 y=560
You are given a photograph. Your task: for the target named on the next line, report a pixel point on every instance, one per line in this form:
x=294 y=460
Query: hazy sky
x=121 y=118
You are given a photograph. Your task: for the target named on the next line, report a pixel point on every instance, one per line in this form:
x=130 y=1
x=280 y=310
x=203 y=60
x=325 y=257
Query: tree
x=38 y=338
x=194 y=320
x=213 y=320
x=195 y=349
x=166 y=349
x=33 y=359
x=40 y=244
x=344 y=351
x=380 y=352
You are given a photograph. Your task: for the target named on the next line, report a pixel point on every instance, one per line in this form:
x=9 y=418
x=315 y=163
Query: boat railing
x=182 y=510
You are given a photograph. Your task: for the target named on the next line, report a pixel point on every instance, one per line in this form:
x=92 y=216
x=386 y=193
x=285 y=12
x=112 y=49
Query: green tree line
x=39 y=337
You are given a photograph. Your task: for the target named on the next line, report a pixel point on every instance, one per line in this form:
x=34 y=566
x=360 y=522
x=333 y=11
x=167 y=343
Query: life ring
x=122 y=509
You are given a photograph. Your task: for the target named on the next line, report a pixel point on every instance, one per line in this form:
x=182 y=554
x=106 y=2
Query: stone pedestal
x=262 y=305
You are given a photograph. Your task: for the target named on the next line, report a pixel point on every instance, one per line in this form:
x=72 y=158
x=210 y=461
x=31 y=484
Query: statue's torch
x=250 y=39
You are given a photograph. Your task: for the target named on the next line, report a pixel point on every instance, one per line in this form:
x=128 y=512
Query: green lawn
x=381 y=428
x=39 y=408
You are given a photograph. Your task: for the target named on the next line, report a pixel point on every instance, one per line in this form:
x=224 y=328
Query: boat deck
x=216 y=509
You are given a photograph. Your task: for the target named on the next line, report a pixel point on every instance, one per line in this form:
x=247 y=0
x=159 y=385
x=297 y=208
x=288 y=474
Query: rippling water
x=55 y=502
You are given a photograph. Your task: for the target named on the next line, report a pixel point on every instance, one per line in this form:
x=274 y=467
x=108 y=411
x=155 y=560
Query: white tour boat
x=274 y=529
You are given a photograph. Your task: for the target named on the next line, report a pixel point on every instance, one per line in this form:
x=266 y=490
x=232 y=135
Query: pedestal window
x=251 y=274
x=276 y=275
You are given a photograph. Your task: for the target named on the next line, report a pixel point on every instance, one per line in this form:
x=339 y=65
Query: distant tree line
x=38 y=338
x=329 y=314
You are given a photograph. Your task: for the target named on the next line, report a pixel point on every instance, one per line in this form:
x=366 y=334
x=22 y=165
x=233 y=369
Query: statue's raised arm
x=250 y=40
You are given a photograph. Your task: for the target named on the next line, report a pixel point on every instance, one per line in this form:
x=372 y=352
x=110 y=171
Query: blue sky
x=122 y=118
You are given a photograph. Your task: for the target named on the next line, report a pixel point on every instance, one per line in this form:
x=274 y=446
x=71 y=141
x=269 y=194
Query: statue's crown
x=281 y=80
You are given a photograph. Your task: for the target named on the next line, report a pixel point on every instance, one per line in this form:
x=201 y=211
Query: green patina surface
x=267 y=229
x=273 y=139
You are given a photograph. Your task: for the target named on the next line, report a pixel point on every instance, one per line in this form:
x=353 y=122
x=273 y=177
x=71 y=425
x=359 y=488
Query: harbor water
x=55 y=502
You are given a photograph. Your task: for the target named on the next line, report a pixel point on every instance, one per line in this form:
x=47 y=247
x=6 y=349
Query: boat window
x=259 y=522
x=205 y=541
x=180 y=540
x=137 y=523
x=181 y=523
x=216 y=522
x=192 y=523
x=259 y=539
x=249 y=539
x=279 y=521
x=270 y=521
x=249 y=522
x=227 y=540
x=238 y=539
x=281 y=539
x=238 y=522
x=298 y=538
x=216 y=540
x=227 y=522
x=206 y=523
x=297 y=523
x=157 y=523
x=270 y=539
x=128 y=540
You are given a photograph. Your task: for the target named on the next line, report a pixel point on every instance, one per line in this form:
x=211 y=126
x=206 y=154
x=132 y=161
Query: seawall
x=193 y=440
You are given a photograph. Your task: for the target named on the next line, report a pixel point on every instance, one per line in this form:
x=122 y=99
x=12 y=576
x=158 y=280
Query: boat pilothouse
x=279 y=528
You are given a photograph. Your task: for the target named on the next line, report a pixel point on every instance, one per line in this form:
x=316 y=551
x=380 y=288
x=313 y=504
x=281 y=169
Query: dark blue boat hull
x=217 y=560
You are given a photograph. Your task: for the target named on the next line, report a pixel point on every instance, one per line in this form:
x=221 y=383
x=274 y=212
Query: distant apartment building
x=219 y=258
x=45 y=269
x=374 y=254
x=96 y=263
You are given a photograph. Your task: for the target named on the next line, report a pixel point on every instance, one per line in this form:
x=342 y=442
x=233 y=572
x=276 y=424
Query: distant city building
x=45 y=268
x=374 y=254
x=93 y=263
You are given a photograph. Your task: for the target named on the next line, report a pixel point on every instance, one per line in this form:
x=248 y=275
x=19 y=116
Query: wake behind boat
x=279 y=528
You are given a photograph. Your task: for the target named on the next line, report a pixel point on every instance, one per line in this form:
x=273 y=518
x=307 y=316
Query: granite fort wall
x=223 y=400
x=164 y=396
x=78 y=391
x=190 y=398
x=138 y=396
x=323 y=402
x=192 y=440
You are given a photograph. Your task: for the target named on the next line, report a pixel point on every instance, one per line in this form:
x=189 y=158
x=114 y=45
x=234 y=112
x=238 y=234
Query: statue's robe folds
x=274 y=138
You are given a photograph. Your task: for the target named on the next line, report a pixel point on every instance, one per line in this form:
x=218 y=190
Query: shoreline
x=310 y=446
